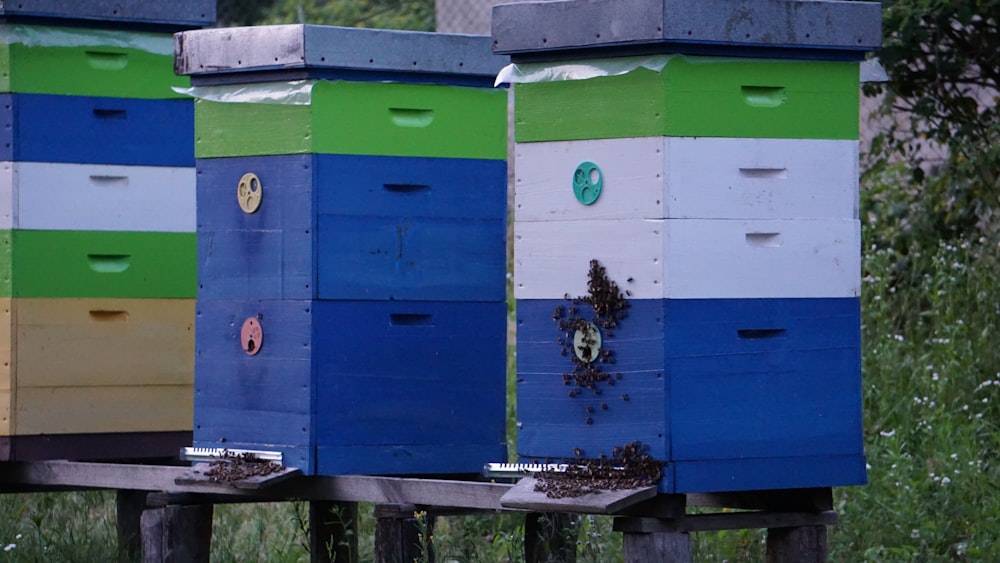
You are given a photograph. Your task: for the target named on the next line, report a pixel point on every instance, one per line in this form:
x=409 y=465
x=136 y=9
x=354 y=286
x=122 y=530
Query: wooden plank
x=99 y=130
x=177 y=534
x=104 y=342
x=66 y=410
x=665 y=547
x=696 y=97
x=398 y=534
x=97 y=197
x=198 y=474
x=690 y=178
x=129 y=264
x=691 y=259
x=524 y=496
x=725 y=521
x=389 y=119
x=799 y=544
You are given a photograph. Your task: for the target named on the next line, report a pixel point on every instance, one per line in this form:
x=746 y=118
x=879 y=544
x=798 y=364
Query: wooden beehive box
x=351 y=235
x=693 y=172
x=97 y=230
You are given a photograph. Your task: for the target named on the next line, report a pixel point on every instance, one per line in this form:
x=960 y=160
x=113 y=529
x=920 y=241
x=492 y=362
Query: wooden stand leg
x=128 y=512
x=803 y=544
x=333 y=532
x=397 y=534
x=668 y=547
x=549 y=538
x=177 y=534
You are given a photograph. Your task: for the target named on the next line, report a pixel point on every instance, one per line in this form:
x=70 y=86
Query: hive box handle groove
x=406 y=188
x=102 y=180
x=109 y=113
x=764 y=173
x=411 y=117
x=772 y=240
x=759 y=333
x=764 y=96
x=103 y=316
x=410 y=319
x=109 y=263
x=106 y=60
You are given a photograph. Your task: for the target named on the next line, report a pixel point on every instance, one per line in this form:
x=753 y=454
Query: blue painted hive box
x=686 y=236
x=351 y=306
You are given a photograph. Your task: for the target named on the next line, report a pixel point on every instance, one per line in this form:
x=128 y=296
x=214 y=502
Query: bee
x=590 y=409
x=604 y=406
x=625 y=397
x=629 y=293
x=563 y=351
x=588 y=420
x=630 y=280
x=618 y=376
x=577 y=452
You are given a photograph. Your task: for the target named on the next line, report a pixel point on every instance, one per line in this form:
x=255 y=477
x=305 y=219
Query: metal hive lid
x=807 y=28
x=313 y=49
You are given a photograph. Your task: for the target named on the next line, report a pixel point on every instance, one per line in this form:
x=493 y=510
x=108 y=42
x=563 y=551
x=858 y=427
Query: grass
x=931 y=361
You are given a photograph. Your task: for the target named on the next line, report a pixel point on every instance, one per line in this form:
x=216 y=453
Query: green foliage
x=943 y=62
x=382 y=14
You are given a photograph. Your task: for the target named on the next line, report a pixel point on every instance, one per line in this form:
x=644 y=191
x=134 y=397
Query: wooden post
x=177 y=534
x=397 y=534
x=666 y=547
x=802 y=544
x=549 y=537
x=129 y=505
x=333 y=532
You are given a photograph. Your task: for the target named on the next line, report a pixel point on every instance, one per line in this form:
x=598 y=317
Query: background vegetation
x=931 y=304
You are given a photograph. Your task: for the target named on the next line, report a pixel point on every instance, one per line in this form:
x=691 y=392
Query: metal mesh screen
x=465 y=16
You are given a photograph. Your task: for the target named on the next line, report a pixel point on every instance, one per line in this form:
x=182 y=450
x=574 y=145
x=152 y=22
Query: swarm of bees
x=581 y=343
x=630 y=467
x=237 y=467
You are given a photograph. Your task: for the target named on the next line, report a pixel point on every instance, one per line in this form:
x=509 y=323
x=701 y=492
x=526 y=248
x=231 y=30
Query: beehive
x=97 y=223
x=703 y=160
x=351 y=243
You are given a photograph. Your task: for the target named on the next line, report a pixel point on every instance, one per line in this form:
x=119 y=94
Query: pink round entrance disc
x=251 y=336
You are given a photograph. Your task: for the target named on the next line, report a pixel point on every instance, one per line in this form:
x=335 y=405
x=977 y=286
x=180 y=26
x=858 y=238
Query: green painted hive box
x=42 y=59
x=695 y=97
x=344 y=117
x=132 y=264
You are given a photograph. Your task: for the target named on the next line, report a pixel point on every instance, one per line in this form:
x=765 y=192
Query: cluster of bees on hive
x=630 y=466
x=581 y=343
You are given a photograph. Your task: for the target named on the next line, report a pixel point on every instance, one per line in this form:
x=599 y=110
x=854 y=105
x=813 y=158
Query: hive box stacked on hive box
x=97 y=221
x=351 y=244
x=710 y=164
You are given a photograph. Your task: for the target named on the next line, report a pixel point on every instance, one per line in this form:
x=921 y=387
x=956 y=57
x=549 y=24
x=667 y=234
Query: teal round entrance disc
x=587 y=183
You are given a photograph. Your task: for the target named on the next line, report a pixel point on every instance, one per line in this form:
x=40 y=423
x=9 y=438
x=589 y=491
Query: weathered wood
x=398 y=534
x=129 y=506
x=333 y=532
x=725 y=521
x=177 y=534
x=523 y=495
x=657 y=547
x=549 y=538
x=380 y=490
x=256 y=482
x=801 y=544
